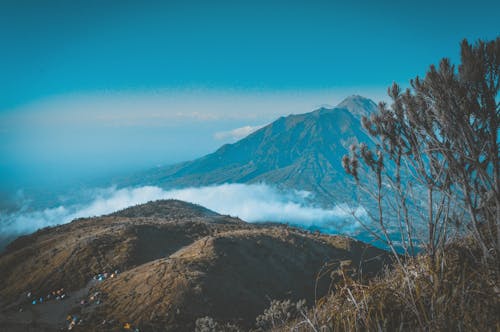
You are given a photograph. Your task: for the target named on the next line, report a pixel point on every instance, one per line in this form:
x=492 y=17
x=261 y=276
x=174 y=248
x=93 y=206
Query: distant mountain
x=358 y=106
x=301 y=151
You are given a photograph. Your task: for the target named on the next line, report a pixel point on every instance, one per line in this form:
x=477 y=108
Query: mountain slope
x=68 y=255
x=301 y=151
x=177 y=262
x=229 y=276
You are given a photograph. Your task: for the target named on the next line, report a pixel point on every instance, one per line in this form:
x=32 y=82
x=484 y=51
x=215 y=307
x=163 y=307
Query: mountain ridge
x=298 y=151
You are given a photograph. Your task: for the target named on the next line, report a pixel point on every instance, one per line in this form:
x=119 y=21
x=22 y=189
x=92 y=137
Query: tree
x=441 y=134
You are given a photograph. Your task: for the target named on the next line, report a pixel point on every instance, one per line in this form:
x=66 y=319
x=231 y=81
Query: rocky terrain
x=162 y=265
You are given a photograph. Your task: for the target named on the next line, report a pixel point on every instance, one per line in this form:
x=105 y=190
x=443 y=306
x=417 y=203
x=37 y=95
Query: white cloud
x=252 y=203
x=237 y=133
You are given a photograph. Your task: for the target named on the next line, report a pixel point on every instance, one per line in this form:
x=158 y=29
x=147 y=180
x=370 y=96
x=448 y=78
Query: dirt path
x=49 y=316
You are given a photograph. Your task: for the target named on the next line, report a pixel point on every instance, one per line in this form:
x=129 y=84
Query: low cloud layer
x=252 y=203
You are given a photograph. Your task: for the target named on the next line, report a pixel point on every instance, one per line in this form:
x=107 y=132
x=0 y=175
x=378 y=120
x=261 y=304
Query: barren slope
x=230 y=276
x=69 y=255
x=177 y=262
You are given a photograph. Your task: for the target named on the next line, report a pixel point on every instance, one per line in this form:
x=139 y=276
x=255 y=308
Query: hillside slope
x=176 y=261
x=69 y=255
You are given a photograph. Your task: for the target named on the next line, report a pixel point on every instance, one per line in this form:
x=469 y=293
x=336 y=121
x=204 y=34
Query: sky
x=90 y=89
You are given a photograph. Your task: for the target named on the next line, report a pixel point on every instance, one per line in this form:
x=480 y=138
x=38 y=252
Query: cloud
x=102 y=201
x=236 y=133
x=252 y=203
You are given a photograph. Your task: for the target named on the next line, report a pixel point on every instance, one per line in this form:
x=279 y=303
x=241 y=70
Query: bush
x=208 y=324
x=456 y=292
x=278 y=313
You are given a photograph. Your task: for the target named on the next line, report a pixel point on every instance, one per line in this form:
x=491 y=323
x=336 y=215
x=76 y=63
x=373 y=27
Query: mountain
x=302 y=151
x=358 y=106
x=176 y=262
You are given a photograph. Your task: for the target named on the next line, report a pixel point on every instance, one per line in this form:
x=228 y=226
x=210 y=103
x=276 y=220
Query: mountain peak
x=358 y=105
x=299 y=152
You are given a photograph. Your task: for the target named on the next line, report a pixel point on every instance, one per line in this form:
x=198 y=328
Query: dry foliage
x=456 y=292
x=440 y=136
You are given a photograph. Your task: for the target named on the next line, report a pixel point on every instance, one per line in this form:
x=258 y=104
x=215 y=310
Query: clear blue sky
x=56 y=47
x=83 y=83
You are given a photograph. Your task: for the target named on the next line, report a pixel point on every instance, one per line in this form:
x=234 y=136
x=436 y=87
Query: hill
x=176 y=262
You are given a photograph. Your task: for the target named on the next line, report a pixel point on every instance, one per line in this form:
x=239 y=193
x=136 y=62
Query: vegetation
x=208 y=324
x=278 y=313
x=454 y=293
x=440 y=135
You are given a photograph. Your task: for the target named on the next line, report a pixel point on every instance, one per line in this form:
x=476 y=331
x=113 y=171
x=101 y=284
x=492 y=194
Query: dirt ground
x=22 y=315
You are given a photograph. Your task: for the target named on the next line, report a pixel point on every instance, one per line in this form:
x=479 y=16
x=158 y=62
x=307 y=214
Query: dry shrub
x=208 y=324
x=278 y=313
x=456 y=292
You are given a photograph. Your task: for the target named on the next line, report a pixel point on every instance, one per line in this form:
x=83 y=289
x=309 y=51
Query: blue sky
x=58 y=47
x=92 y=88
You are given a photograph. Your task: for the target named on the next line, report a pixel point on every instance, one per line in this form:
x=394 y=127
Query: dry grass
x=456 y=292
x=229 y=277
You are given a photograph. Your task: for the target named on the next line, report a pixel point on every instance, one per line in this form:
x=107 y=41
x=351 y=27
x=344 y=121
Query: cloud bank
x=236 y=133
x=252 y=203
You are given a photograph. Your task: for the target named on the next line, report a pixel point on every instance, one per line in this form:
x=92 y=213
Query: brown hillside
x=178 y=262
x=70 y=255
x=230 y=276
